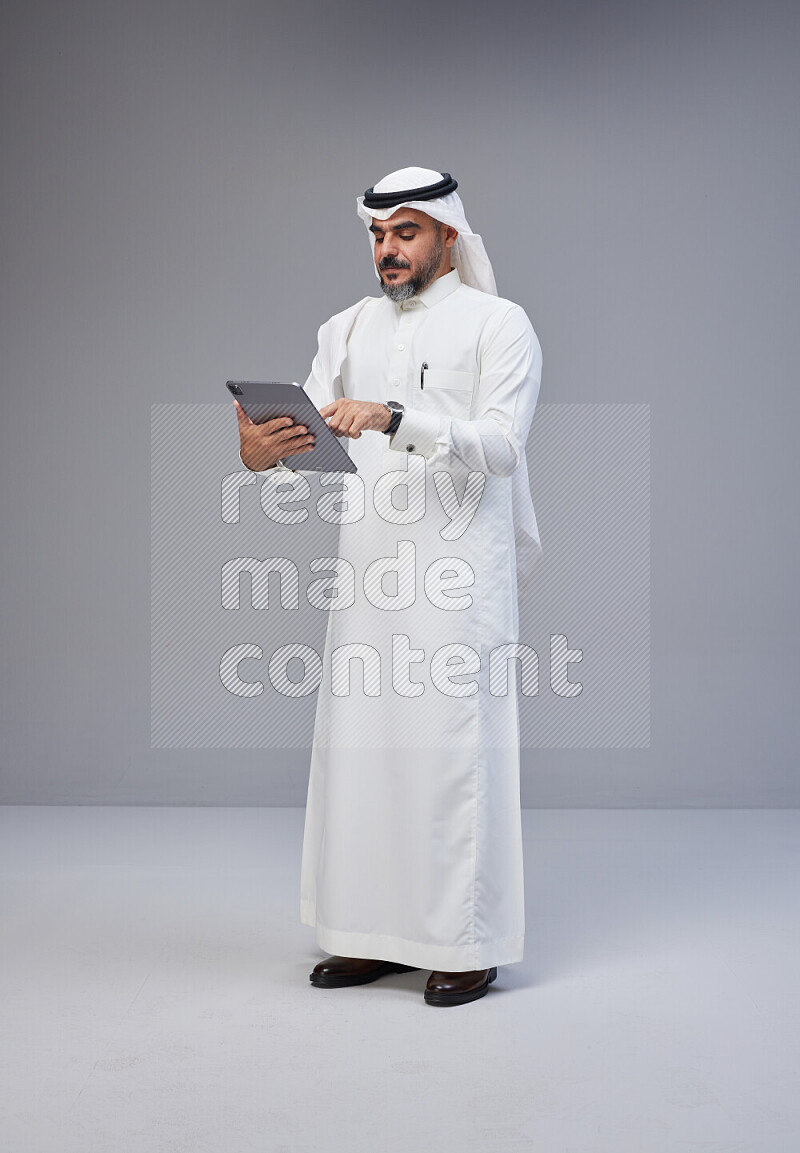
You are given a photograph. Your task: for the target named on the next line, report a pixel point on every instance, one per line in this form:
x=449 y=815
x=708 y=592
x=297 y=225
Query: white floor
x=155 y=994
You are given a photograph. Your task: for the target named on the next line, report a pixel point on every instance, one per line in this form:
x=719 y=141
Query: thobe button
x=394 y=382
x=409 y=448
x=401 y=347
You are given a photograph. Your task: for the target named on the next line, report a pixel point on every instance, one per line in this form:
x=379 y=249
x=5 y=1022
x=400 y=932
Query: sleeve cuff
x=417 y=432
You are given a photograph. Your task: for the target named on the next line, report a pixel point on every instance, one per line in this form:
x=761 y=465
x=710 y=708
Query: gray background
x=178 y=208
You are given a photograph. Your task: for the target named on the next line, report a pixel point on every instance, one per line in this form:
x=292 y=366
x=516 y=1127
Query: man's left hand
x=352 y=417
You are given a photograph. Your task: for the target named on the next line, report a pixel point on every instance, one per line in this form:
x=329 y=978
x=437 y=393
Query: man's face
x=411 y=250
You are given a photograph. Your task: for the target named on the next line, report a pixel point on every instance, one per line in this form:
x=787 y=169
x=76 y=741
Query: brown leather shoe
x=458 y=988
x=336 y=972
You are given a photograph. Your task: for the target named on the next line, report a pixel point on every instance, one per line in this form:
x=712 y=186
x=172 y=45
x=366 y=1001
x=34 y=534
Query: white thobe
x=412 y=848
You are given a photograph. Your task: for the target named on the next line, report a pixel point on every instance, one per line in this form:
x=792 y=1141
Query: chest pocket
x=445 y=378
x=448 y=392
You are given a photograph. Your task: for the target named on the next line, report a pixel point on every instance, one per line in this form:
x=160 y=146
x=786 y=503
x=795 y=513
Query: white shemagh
x=468 y=254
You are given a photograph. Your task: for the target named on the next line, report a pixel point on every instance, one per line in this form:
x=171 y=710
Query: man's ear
x=450 y=236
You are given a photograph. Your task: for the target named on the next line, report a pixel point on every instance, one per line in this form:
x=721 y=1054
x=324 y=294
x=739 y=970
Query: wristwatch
x=397 y=410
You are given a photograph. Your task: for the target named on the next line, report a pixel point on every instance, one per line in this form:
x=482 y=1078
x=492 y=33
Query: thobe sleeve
x=493 y=440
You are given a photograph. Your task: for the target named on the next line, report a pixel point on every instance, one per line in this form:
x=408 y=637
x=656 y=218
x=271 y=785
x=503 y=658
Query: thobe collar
x=437 y=290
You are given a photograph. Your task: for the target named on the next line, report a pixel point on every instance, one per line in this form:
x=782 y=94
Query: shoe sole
x=461 y=998
x=341 y=981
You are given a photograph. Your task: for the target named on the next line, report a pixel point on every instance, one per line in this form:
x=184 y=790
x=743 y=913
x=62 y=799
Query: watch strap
x=394 y=423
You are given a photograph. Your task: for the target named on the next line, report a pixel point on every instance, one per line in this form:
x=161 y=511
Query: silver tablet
x=265 y=400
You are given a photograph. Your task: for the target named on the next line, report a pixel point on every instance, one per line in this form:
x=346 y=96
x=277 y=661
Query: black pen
x=422 y=374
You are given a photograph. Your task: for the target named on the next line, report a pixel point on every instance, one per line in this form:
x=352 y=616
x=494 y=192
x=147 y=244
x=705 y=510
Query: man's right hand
x=263 y=445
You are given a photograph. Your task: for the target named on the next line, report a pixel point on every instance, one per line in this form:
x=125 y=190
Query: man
x=412 y=850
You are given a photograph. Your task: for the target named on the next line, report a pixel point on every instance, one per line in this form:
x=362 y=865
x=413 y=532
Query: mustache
x=392 y=262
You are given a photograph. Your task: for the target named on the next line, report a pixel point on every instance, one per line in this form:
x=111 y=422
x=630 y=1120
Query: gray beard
x=400 y=292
